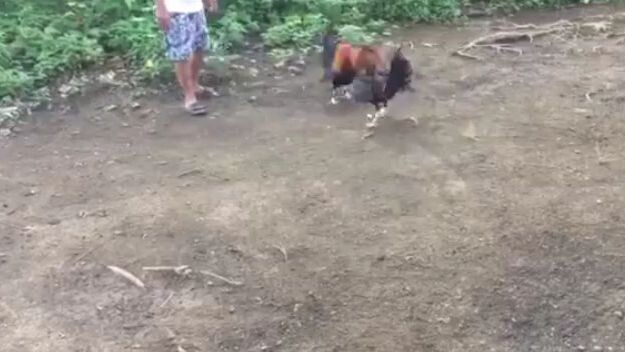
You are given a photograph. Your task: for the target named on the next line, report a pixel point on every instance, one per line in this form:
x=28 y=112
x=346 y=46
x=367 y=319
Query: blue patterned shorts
x=187 y=35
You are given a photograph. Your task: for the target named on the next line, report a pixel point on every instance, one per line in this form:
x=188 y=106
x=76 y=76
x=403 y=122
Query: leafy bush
x=138 y=40
x=41 y=39
x=295 y=30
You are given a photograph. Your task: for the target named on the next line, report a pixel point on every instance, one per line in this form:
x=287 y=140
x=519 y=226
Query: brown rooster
x=376 y=72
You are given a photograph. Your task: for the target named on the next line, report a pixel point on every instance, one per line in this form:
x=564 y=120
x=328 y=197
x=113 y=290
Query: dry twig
x=283 y=251
x=171 y=295
x=127 y=275
x=179 y=270
x=221 y=278
x=512 y=33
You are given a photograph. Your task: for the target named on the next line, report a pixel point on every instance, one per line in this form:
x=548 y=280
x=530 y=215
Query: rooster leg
x=372 y=119
x=347 y=93
x=333 y=100
x=380 y=112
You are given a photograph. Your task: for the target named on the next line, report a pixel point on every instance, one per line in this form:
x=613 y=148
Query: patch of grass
x=41 y=39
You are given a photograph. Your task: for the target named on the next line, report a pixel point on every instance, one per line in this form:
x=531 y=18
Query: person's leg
x=184 y=73
x=180 y=42
x=195 y=68
x=200 y=42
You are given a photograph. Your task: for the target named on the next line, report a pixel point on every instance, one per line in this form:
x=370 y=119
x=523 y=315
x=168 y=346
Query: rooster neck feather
x=343 y=58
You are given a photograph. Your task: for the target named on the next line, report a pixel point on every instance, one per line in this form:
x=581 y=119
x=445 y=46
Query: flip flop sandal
x=196 y=109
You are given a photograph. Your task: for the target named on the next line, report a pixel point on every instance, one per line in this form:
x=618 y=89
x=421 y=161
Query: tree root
x=511 y=33
x=499 y=40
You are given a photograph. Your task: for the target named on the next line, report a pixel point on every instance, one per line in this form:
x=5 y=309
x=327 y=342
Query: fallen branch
x=465 y=55
x=501 y=47
x=179 y=270
x=515 y=27
x=192 y=172
x=221 y=278
x=127 y=275
x=509 y=34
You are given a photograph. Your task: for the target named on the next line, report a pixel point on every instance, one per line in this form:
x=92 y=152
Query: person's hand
x=163 y=17
x=213 y=5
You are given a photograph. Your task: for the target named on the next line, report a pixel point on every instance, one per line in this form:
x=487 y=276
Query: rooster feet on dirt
x=373 y=119
x=340 y=93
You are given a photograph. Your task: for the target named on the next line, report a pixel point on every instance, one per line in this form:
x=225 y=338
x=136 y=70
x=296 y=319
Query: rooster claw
x=380 y=113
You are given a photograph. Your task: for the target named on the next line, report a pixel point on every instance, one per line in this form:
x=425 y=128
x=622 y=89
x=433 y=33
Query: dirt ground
x=496 y=224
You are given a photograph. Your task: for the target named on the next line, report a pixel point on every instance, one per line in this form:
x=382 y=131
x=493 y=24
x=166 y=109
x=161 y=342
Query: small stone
x=100 y=213
x=5 y=132
x=232 y=310
x=54 y=222
x=253 y=72
x=599 y=201
x=257 y=84
x=582 y=111
x=279 y=65
x=212 y=91
x=295 y=70
x=110 y=107
x=30 y=193
x=297 y=307
x=135 y=105
x=125 y=124
x=252 y=99
x=67 y=90
x=580 y=348
x=619 y=314
x=118 y=232
x=597 y=348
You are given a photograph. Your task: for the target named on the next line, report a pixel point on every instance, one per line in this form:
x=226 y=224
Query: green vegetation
x=42 y=39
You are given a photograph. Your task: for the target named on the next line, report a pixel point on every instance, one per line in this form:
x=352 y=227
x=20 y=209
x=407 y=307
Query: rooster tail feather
x=400 y=75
